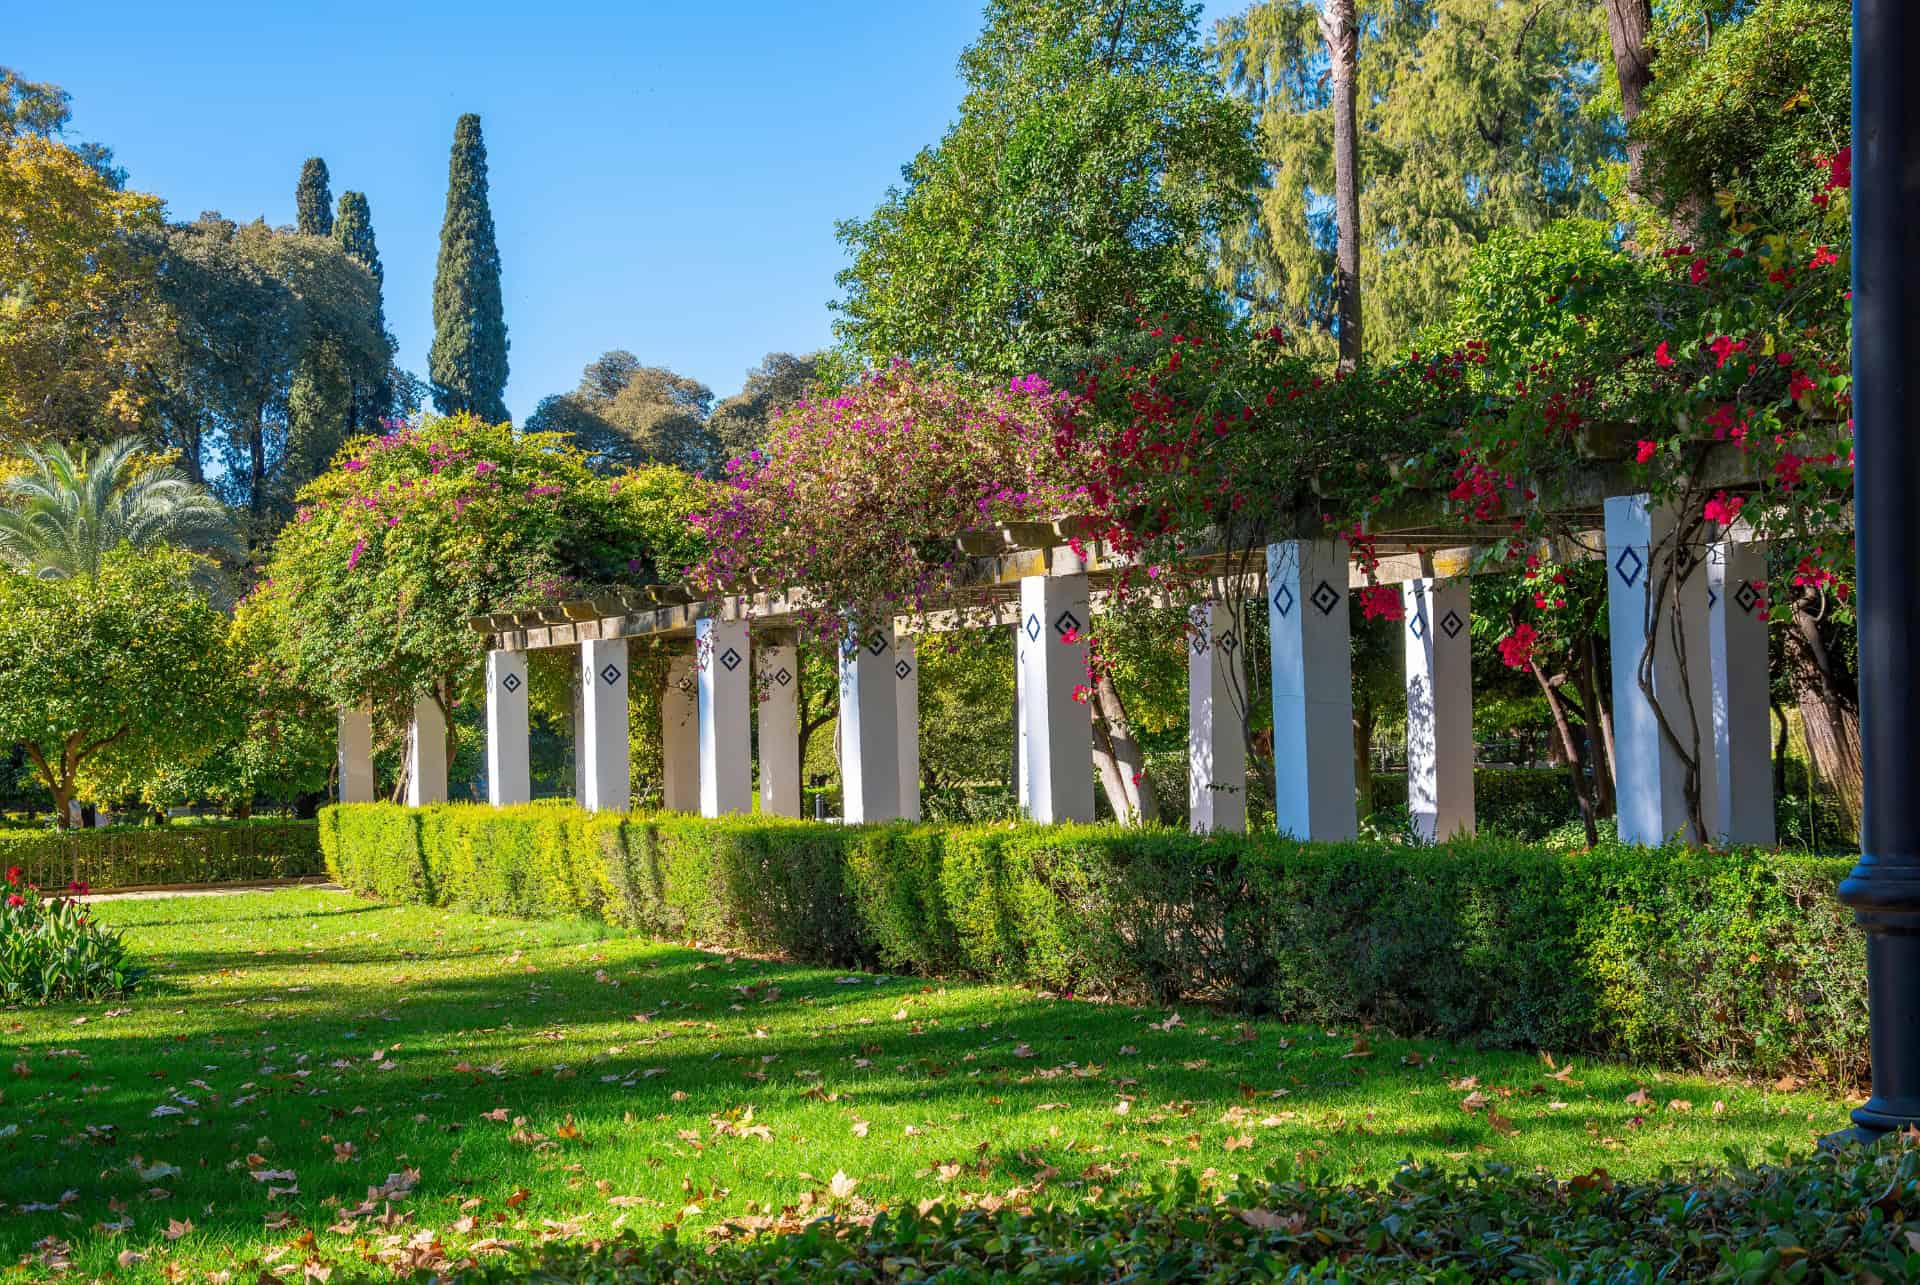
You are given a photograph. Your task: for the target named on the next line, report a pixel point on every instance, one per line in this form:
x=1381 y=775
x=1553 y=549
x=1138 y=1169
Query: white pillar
x=579 y=754
x=1439 y=644
x=603 y=727
x=1742 y=735
x=779 y=685
x=680 y=737
x=355 y=755
x=906 y=722
x=1019 y=721
x=1216 y=720
x=1056 y=730
x=1650 y=787
x=869 y=726
x=426 y=754
x=725 y=666
x=509 y=774
x=1312 y=690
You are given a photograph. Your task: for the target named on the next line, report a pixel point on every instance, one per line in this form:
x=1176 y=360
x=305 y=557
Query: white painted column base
x=426 y=754
x=509 y=772
x=354 y=751
x=1312 y=690
x=1439 y=649
x=1056 y=729
x=603 y=726
x=779 y=712
x=724 y=664
x=1742 y=732
x=1650 y=777
x=1216 y=720
x=680 y=737
x=869 y=726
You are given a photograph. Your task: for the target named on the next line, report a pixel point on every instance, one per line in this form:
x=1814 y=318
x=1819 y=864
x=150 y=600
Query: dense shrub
x=1735 y=962
x=1829 y=1216
x=227 y=852
x=52 y=948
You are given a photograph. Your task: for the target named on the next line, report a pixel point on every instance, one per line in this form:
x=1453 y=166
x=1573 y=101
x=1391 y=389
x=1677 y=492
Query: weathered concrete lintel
x=991 y=588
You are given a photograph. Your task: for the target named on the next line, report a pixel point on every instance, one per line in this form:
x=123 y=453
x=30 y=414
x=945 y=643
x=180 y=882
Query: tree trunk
x=1575 y=767
x=1363 y=722
x=1627 y=24
x=1599 y=724
x=1341 y=32
x=1779 y=749
x=1130 y=766
x=1829 y=707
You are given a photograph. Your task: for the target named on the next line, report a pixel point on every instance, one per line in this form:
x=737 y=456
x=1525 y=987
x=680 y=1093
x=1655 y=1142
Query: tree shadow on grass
x=250 y=1068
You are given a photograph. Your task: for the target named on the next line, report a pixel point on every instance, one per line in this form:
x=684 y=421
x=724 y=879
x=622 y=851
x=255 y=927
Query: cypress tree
x=467 y=365
x=312 y=200
x=353 y=229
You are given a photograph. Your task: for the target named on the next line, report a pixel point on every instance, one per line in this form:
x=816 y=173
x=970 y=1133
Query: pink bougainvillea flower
x=1643 y=451
x=359 y=547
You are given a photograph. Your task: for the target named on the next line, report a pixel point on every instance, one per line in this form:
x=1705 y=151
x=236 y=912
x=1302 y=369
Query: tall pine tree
x=312 y=200
x=467 y=365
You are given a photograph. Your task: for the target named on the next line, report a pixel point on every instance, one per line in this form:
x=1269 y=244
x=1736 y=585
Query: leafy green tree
x=1474 y=115
x=44 y=111
x=467 y=364
x=1743 y=106
x=1094 y=164
x=624 y=414
x=78 y=315
x=125 y=667
x=313 y=200
x=65 y=513
x=743 y=421
x=272 y=333
x=276 y=744
x=411 y=534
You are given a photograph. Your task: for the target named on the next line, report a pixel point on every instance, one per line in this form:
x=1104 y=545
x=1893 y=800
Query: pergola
x=1044 y=581
x=1311 y=691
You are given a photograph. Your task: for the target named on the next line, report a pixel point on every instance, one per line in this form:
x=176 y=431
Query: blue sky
x=665 y=177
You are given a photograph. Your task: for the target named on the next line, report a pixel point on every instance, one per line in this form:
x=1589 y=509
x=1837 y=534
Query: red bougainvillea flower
x=1698 y=271
x=13 y=875
x=1644 y=450
x=1724 y=346
x=1661 y=356
x=15 y=899
x=1724 y=508
x=1516 y=649
x=1823 y=258
x=1381 y=602
x=1800 y=385
x=1082 y=693
x=1070 y=636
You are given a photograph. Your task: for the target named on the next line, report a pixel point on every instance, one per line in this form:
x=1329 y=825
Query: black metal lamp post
x=1884 y=888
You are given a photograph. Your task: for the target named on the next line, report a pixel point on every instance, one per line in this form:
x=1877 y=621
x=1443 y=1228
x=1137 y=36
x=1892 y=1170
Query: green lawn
x=312 y=1078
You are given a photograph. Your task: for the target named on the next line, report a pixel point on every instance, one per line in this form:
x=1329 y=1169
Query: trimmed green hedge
x=1729 y=962
x=228 y=852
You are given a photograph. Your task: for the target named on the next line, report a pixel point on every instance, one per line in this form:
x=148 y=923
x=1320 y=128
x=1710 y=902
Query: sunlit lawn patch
x=307 y=1076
